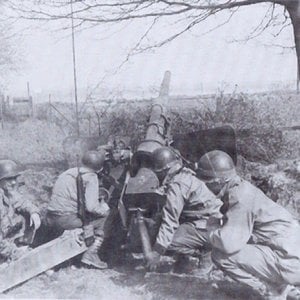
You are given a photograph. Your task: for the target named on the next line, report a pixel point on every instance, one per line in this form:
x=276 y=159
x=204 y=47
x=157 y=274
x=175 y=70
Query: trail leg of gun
x=41 y=259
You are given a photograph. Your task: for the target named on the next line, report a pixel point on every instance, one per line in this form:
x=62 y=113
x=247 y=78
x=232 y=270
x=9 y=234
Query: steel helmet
x=94 y=159
x=215 y=164
x=8 y=169
x=163 y=159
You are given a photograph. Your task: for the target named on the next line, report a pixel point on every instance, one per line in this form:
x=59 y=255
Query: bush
x=257 y=119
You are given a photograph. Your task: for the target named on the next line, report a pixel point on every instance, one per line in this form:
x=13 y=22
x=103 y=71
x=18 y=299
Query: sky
x=198 y=63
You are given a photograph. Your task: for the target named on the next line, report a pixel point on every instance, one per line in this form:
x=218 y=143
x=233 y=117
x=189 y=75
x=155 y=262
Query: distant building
x=19 y=108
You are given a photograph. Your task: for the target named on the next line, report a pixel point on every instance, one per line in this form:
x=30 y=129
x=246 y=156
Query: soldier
x=14 y=208
x=62 y=213
x=188 y=205
x=118 y=155
x=259 y=243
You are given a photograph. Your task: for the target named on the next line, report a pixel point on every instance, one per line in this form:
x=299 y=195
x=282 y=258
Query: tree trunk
x=293 y=7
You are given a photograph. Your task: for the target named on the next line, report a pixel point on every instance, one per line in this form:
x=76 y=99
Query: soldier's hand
x=104 y=209
x=7 y=248
x=19 y=252
x=213 y=223
x=153 y=259
x=125 y=154
x=35 y=220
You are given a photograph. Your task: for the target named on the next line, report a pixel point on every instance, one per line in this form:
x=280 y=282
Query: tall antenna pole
x=74 y=70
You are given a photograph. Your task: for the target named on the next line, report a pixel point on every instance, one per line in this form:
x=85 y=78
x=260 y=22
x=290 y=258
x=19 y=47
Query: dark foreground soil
x=80 y=283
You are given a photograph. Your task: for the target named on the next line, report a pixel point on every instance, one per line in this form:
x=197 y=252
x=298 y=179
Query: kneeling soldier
x=64 y=212
x=259 y=242
x=14 y=208
x=188 y=206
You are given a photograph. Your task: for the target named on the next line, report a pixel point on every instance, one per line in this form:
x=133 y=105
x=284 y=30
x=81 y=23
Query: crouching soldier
x=259 y=242
x=188 y=206
x=116 y=170
x=64 y=213
x=15 y=208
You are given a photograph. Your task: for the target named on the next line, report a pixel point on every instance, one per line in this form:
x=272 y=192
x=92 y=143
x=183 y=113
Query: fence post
x=89 y=118
x=50 y=109
x=298 y=81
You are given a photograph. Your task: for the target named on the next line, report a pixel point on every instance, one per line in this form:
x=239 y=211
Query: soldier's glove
x=153 y=259
x=35 y=220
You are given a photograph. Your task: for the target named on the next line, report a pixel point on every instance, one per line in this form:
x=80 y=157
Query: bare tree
x=8 y=51
x=183 y=15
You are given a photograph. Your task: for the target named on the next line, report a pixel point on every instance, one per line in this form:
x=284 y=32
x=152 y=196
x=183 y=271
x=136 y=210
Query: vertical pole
x=28 y=90
x=1 y=110
x=89 y=125
x=297 y=37
x=298 y=79
x=50 y=109
x=30 y=103
x=74 y=70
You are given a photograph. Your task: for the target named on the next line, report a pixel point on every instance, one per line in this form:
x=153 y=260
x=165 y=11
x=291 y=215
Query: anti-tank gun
x=141 y=202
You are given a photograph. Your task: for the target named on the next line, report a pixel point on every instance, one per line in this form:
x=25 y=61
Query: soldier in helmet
x=14 y=207
x=116 y=170
x=62 y=213
x=184 y=217
x=259 y=242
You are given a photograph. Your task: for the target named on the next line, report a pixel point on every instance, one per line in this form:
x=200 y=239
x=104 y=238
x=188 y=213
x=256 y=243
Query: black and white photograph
x=150 y=149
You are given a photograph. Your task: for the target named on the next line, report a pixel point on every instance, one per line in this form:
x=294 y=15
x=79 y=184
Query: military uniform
x=188 y=206
x=12 y=211
x=62 y=212
x=260 y=240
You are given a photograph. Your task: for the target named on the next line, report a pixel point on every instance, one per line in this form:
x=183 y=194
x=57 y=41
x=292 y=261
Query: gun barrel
x=158 y=128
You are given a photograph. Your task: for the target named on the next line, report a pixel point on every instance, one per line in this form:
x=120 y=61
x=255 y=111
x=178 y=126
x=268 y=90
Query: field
x=268 y=143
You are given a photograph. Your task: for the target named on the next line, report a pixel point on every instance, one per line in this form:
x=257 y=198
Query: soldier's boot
x=293 y=293
x=185 y=264
x=206 y=265
x=281 y=292
x=277 y=292
x=91 y=257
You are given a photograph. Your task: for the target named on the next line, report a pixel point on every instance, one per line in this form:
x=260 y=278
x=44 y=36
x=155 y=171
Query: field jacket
x=252 y=217
x=187 y=200
x=64 y=194
x=12 y=210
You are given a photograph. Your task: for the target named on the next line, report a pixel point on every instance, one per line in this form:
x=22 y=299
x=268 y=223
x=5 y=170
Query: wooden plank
x=41 y=259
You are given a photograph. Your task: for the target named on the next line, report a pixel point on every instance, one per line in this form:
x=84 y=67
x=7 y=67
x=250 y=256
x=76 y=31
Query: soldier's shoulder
x=26 y=194
x=185 y=176
x=186 y=172
x=90 y=178
x=240 y=191
x=241 y=185
x=183 y=173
